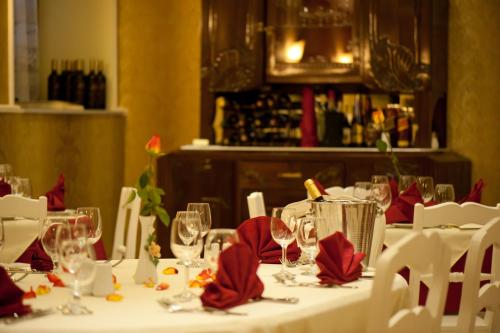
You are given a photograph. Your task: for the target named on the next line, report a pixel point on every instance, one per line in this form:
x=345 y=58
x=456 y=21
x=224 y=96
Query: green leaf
x=130 y=198
x=381 y=145
x=155 y=197
x=144 y=179
x=160 y=191
x=162 y=215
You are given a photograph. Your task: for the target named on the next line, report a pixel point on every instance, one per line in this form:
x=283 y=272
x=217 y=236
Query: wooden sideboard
x=224 y=176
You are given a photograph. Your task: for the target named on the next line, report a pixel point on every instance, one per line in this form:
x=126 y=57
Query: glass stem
x=186 y=279
x=76 y=291
x=283 y=258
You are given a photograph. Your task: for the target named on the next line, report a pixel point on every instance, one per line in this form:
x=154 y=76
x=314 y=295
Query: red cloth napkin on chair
x=55 y=197
x=36 y=256
x=401 y=209
x=256 y=233
x=475 y=193
x=236 y=281
x=11 y=297
x=337 y=261
x=4 y=188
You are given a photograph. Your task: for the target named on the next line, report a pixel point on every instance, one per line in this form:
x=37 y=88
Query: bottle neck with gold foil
x=313 y=190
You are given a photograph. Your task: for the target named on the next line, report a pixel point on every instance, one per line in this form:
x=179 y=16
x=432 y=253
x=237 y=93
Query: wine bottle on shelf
x=78 y=84
x=357 y=125
x=91 y=86
x=346 y=129
x=101 y=86
x=54 y=82
x=67 y=78
x=334 y=121
x=313 y=191
x=403 y=128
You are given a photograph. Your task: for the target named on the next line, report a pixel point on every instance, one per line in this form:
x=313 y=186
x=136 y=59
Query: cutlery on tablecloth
x=34 y=314
x=173 y=307
x=294 y=283
x=287 y=300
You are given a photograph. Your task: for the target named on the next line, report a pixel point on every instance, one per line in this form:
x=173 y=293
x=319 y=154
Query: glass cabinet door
x=313 y=41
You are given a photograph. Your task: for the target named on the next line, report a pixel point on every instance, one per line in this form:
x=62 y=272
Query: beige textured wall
x=4 y=77
x=474 y=89
x=159 y=75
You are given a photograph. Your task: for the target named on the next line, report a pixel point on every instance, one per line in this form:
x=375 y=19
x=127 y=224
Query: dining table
x=319 y=309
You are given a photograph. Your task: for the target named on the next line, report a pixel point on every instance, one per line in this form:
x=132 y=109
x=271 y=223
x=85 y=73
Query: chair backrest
x=339 y=190
x=419 y=252
x=453 y=213
x=127 y=212
x=18 y=206
x=256 y=206
x=473 y=297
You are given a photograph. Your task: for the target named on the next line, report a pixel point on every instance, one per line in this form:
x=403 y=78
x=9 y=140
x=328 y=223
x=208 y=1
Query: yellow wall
x=4 y=77
x=159 y=75
x=474 y=89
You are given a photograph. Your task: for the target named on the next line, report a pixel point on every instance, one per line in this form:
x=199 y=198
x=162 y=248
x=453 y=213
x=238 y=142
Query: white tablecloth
x=319 y=310
x=19 y=234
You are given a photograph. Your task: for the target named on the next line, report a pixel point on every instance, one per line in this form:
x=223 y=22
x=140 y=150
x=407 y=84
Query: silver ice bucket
x=353 y=217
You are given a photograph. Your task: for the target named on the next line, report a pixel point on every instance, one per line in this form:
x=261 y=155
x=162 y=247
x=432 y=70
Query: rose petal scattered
x=149 y=284
x=114 y=297
x=29 y=294
x=42 y=289
x=114 y=278
x=197 y=284
x=55 y=280
x=170 y=271
x=205 y=274
x=162 y=286
x=117 y=286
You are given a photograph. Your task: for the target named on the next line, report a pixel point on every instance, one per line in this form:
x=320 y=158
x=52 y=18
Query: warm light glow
x=294 y=51
x=345 y=58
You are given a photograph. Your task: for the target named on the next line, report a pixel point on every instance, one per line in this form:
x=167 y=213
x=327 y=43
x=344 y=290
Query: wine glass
x=72 y=249
x=48 y=232
x=381 y=193
x=283 y=228
x=186 y=244
x=6 y=172
x=217 y=241
x=203 y=209
x=444 y=193
x=91 y=218
x=426 y=188
x=362 y=190
x=307 y=239
x=21 y=186
x=380 y=179
x=405 y=182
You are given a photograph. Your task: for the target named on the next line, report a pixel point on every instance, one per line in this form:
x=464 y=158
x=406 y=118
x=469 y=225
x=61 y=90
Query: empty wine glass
x=362 y=190
x=186 y=244
x=426 y=188
x=47 y=236
x=72 y=249
x=283 y=228
x=217 y=241
x=405 y=182
x=203 y=209
x=444 y=193
x=21 y=186
x=5 y=172
x=307 y=239
x=380 y=179
x=381 y=193
x=91 y=218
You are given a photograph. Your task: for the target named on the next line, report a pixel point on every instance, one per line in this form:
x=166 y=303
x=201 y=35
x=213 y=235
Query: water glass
x=307 y=239
x=444 y=193
x=203 y=209
x=405 y=182
x=5 y=172
x=186 y=244
x=21 y=186
x=362 y=190
x=217 y=241
x=283 y=229
x=426 y=188
x=91 y=218
x=47 y=236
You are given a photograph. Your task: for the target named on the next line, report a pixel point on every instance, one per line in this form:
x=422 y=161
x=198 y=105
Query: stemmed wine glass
x=444 y=193
x=217 y=241
x=283 y=228
x=90 y=217
x=186 y=244
x=203 y=209
x=72 y=249
x=307 y=239
x=362 y=190
x=405 y=182
x=381 y=193
x=426 y=188
x=47 y=236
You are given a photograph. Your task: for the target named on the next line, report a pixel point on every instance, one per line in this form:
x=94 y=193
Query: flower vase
x=146 y=269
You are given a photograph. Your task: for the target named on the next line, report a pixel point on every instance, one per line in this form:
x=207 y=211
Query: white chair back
x=18 y=206
x=256 y=206
x=127 y=212
x=339 y=191
x=488 y=296
x=419 y=252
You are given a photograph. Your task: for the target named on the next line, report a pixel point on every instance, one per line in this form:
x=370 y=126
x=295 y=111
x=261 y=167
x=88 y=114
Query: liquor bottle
x=101 y=86
x=54 y=82
x=67 y=78
x=346 y=129
x=313 y=191
x=357 y=124
x=333 y=123
x=78 y=84
x=91 y=86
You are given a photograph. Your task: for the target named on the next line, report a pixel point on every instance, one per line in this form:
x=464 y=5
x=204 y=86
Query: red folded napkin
x=475 y=193
x=55 y=197
x=320 y=187
x=401 y=209
x=11 y=297
x=36 y=256
x=337 y=262
x=394 y=189
x=236 y=281
x=256 y=233
x=4 y=188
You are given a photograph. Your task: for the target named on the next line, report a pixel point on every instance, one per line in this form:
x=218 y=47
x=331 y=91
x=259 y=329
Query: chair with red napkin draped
x=337 y=262
x=419 y=252
x=401 y=209
x=55 y=197
x=236 y=281
x=4 y=188
x=256 y=233
x=11 y=297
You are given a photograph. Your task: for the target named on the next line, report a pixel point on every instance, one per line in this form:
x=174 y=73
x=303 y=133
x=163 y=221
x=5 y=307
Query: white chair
x=419 y=252
x=127 y=218
x=488 y=296
x=256 y=206
x=454 y=214
x=18 y=206
x=339 y=190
